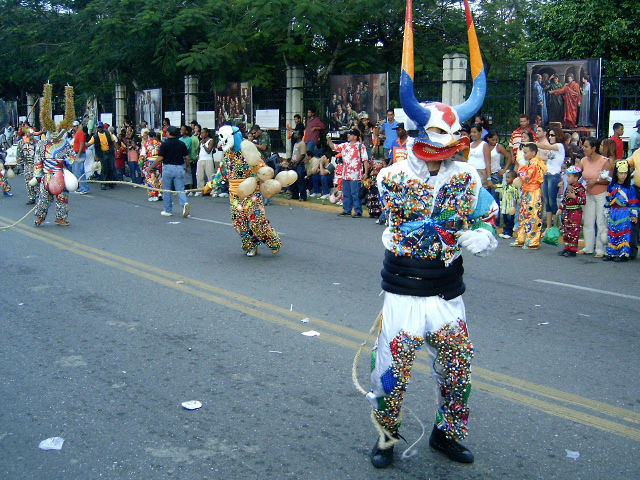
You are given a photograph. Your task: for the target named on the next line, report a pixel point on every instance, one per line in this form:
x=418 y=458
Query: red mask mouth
x=430 y=153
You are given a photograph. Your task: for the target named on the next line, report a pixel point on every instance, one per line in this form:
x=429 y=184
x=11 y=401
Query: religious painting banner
x=149 y=108
x=234 y=105
x=355 y=96
x=564 y=92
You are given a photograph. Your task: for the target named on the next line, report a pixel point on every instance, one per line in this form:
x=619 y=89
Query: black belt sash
x=422 y=278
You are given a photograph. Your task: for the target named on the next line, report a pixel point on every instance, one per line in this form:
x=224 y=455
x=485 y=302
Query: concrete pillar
x=121 y=104
x=446 y=78
x=31 y=112
x=459 y=63
x=190 y=98
x=295 y=100
x=454 y=76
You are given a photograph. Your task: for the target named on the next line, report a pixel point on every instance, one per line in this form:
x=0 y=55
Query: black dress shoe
x=570 y=254
x=607 y=258
x=452 y=449
x=381 y=457
x=344 y=214
x=356 y=215
x=562 y=253
x=30 y=202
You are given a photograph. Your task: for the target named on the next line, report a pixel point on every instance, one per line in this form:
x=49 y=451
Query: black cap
x=399 y=125
x=355 y=132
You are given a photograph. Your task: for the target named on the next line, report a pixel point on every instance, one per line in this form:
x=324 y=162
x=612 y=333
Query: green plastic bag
x=552 y=236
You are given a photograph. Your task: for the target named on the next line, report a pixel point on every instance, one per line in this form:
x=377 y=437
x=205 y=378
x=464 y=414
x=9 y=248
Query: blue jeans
x=315 y=178
x=300 y=190
x=325 y=181
x=350 y=189
x=173 y=179
x=78 y=171
x=135 y=173
x=313 y=148
x=550 y=191
x=509 y=221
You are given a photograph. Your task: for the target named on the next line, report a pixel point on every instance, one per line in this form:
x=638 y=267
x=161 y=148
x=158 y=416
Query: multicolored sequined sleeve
x=222 y=175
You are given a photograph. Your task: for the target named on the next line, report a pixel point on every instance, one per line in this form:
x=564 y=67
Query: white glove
x=479 y=242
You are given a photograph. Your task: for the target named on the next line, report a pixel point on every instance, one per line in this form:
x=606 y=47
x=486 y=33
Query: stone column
x=454 y=76
x=121 y=104
x=31 y=113
x=295 y=100
x=190 y=98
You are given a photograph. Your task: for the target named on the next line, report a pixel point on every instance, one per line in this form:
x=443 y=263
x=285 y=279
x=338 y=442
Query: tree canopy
x=94 y=44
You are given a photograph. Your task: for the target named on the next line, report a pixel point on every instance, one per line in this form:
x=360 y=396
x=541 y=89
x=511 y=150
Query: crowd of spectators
x=344 y=172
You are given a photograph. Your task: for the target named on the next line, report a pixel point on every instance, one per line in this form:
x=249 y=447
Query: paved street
x=110 y=324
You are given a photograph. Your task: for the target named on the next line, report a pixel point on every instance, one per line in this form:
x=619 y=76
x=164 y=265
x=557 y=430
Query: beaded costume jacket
x=425 y=213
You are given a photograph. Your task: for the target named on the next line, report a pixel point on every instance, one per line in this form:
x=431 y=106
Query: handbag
x=552 y=235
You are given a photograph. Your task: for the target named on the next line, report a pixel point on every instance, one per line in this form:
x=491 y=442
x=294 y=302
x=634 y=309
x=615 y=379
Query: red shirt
x=313 y=135
x=619 y=147
x=78 y=139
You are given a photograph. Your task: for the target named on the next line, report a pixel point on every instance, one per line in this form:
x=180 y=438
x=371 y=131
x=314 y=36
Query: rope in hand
x=120 y=182
x=409 y=451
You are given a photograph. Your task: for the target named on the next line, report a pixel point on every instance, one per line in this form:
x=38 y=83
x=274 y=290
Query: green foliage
x=93 y=44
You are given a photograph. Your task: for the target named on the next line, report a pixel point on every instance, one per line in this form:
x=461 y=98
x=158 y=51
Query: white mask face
x=225 y=138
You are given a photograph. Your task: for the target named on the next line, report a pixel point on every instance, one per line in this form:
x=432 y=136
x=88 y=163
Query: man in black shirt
x=172 y=155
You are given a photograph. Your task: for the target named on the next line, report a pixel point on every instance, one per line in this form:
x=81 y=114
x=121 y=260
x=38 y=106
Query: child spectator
x=530 y=214
x=622 y=204
x=510 y=198
x=574 y=198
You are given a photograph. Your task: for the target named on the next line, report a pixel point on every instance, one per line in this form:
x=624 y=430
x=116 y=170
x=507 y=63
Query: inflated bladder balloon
x=247 y=187
x=251 y=153
x=265 y=173
x=269 y=188
x=70 y=181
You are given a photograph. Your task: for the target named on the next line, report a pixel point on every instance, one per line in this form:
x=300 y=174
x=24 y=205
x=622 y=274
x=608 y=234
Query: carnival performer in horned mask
x=435 y=206
x=53 y=153
x=249 y=181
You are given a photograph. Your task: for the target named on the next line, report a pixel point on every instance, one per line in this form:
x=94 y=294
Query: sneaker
x=62 y=221
x=190 y=194
x=452 y=449
x=563 y=253
x=356 y=215
x=223 y=194
x=344 y=214
x=324 y=197
x=504 y=235
x=165 y=214
x=214 y=195
x=185 y=210
x=570 y=254
x=339 y=202
x=31 y=201
x=197 y=194
x=38 y=221
x=8 y=194
x=252 y=253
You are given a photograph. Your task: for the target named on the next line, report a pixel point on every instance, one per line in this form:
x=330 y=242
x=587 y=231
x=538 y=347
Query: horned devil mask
x=439 y=124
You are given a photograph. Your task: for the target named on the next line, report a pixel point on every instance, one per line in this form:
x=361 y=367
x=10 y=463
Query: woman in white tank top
x=479 y=154
x=206 y=167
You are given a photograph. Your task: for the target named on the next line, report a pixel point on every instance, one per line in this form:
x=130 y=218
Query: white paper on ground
x=311 y=333
x=53 y=443
x=572 y=454
x=191 y=405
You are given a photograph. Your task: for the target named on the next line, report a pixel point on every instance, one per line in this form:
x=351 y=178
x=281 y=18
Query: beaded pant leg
x=451 y=352
x=32 y=191
x=62 y=205
x=408 y=323
x=44 y=199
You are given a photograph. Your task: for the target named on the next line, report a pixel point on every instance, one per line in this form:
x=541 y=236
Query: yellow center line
x=231 y=300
